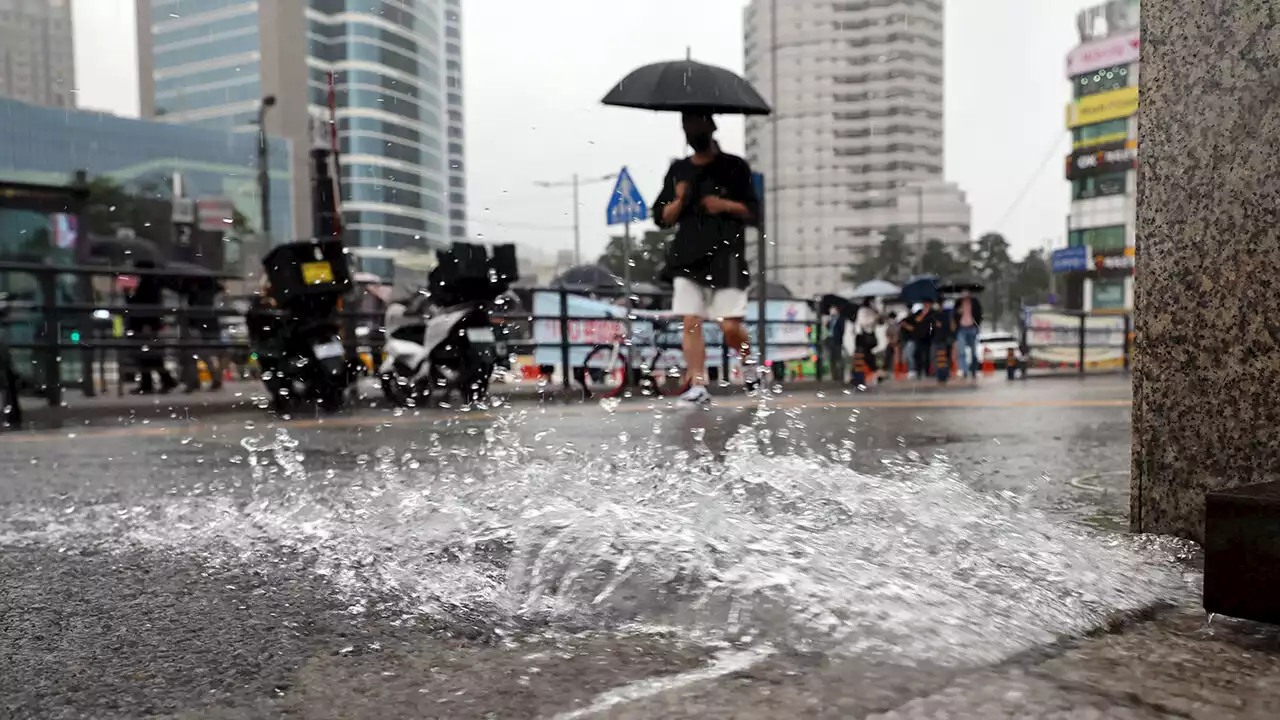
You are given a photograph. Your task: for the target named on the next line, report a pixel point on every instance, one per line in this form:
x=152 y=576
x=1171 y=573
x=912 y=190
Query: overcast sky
x=535 y=73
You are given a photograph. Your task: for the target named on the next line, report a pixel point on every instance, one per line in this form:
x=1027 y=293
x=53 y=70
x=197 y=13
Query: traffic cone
x=988 y=365
x=859 y=368
x=942 y=364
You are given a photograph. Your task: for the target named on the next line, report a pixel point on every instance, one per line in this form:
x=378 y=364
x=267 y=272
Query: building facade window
x=1100 y=132
x=1101 y=238
x=1099 y=185
x=214 y=47
x=1108 y=293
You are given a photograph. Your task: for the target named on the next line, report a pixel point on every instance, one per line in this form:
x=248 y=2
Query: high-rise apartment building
x=37 y=62
x=1098 y=263
x=857 y=92
x=398 y=95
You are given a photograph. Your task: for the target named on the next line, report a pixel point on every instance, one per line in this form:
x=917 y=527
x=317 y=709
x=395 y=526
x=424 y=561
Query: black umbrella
x=189 y=277
x=687 y=86
x=847 y=307
x=959 y=286
x=920 y=289
x=120 y=250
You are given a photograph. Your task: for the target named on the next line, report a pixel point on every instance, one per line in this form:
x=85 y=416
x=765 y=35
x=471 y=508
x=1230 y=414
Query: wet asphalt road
x=433 y=565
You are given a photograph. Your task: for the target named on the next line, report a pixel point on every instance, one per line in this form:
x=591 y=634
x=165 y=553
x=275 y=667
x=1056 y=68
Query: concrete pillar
x=1206 y=411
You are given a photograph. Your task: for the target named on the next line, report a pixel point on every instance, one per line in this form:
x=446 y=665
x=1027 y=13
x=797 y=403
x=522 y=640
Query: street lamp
x=575 y=182
x=264 y=181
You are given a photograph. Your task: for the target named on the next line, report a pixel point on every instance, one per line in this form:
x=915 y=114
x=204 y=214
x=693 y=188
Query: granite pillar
x=1206 y=370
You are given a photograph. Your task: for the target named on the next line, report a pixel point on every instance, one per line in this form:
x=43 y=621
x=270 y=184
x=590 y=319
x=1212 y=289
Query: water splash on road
x=761 y=540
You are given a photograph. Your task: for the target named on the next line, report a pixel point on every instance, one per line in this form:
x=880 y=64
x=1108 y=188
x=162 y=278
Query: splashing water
x=790 y=548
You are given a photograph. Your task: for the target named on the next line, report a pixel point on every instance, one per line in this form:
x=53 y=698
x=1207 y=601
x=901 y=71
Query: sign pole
x=762 y=275
x=626 y=288
x=625 y=207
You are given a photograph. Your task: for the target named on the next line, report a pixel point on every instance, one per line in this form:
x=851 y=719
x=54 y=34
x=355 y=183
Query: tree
x=1030 y=282
x=938 y=259
x=890 y=260
x=648 y=253
x=110 y=207
x=993 y=266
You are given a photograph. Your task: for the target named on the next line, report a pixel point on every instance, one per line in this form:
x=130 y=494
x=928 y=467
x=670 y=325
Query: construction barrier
x=859 y=368
x=942 y=364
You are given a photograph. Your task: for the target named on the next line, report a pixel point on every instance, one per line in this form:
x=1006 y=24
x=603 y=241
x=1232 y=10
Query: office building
x=397 y=66
x=857 y=92
x=37 y=63
x=48 y=146
x=1097 y=265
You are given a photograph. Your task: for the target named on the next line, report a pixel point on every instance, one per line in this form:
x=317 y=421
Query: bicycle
x=661 y=370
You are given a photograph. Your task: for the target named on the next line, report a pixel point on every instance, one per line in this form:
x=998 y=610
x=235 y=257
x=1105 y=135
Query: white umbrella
x=875 y=289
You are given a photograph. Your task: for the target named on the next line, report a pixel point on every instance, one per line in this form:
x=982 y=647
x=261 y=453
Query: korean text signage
x=1114 y=262
x=1103 y=107
x=1071 y=259
x=1116 y=50
x=1112 y=157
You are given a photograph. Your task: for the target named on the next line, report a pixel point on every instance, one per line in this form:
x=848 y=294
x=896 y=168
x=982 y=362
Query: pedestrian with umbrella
x=967 y=318
x=925 y=325
x=838 y=312
x=710 y=199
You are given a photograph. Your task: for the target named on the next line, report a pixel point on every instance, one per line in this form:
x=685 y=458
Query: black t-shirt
x=709 y=249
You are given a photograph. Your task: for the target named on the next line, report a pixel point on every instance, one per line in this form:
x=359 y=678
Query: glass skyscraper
x=398 y=92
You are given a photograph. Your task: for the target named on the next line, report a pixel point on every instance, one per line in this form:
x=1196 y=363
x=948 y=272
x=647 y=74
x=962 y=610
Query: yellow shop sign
x=1103 y=107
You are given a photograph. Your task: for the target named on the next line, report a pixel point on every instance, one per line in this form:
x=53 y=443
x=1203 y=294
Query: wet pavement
x=922 y=554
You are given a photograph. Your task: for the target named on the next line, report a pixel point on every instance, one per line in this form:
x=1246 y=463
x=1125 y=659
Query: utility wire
x=1053 y=150
x=518 y=225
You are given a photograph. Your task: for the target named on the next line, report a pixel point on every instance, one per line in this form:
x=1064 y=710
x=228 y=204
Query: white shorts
x=690 y=298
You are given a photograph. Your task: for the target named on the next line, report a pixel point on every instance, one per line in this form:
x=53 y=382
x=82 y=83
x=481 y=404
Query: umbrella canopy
x=588 y=278
x=847 y=308
x=190 y=277
x=959 y=286
x=920 y=289
x=687 y=86
x=120 y=251
x=875 y=289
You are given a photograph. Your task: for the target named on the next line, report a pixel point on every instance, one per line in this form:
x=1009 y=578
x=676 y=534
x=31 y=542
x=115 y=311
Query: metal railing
x=1073 y=341
x=75 y=318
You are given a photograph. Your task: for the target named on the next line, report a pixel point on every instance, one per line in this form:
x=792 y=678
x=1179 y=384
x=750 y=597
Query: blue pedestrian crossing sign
x=626 y=205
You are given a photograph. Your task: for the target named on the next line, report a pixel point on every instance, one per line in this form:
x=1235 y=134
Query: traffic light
x=75 y=336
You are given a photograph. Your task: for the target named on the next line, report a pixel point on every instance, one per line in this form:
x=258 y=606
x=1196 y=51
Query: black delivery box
x=307 y=268
x=466 y=272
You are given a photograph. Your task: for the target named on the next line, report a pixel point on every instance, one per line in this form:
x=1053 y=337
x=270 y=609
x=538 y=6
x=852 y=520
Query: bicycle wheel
x=669 y=378
x=605 y=371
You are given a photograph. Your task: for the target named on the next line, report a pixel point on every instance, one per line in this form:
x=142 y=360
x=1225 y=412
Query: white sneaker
x=696 y=396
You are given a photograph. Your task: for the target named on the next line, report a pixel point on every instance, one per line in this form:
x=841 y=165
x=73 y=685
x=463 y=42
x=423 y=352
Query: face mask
x=700 y=142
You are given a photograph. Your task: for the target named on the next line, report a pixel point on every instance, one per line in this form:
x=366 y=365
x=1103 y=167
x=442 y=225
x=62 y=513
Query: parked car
x=995 y=346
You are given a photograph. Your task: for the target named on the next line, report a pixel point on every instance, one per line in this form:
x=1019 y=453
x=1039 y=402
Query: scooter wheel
x=398 y=391
x=333 y=400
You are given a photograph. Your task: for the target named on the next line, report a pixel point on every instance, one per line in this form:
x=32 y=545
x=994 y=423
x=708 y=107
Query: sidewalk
x=250 y=397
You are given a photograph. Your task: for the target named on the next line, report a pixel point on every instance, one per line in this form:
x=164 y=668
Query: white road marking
x=725 y=664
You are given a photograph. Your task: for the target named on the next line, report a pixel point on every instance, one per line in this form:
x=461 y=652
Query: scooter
x=311 y=365
x=437 y=352
x=295 y=330
x=442 y=343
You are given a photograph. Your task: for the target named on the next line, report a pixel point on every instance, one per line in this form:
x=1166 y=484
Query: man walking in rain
x=710 y=200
